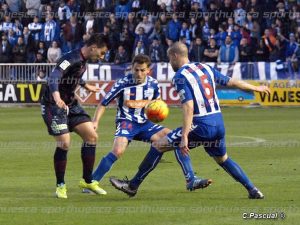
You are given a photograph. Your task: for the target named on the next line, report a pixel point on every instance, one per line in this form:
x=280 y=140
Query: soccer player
x=133 y=92
x=202 y=121
x=62 y=113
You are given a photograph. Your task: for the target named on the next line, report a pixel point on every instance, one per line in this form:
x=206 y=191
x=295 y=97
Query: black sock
x=60 y=162
x=88 y=152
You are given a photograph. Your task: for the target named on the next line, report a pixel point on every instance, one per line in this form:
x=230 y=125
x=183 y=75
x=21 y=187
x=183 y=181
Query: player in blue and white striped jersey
x=202 y=124
x=133 y=92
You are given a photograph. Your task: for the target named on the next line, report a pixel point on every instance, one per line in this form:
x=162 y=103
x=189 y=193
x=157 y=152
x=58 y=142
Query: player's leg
x=183 y=160
x=60 y=163
x=88 y=151
x=234 y=170
x=119 y=147
x=56 y=122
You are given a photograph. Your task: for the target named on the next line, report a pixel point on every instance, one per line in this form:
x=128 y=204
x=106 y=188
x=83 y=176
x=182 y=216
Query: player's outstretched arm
x=91 y=88
x=97 y=116
x=187 y=109
x=249 y=87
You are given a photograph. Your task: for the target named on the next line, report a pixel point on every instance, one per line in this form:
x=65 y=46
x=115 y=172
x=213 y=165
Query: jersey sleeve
x=220 y=78
x=114 y=92
x=182 y=88
x=156 y=94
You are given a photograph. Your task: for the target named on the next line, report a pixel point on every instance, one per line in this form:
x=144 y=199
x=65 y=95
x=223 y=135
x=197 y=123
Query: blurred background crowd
x=214 y=31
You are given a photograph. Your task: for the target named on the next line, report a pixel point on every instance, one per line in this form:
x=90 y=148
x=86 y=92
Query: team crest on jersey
x=64 y=65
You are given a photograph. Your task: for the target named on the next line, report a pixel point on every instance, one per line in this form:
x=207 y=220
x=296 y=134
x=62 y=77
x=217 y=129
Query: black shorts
x=57 y=120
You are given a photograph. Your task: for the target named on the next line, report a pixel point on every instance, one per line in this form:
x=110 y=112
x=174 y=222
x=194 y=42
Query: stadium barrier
x=22 y=88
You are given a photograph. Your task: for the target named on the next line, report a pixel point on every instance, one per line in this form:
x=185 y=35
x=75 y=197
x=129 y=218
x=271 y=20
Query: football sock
x=237 y=173
x=149 y=163
x=104 y=166
x=60 y=162
x=186 y=165
x=88 y=152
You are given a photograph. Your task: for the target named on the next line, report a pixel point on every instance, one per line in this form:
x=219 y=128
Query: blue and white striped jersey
x=132 y=97
x=197 y=82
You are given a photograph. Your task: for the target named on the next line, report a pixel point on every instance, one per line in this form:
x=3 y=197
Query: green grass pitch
x=264 y=141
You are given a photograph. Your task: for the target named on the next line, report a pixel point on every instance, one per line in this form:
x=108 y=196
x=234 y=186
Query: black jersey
x=65 y=77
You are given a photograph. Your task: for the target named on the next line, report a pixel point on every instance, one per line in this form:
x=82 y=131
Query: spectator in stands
x=141 y=36
x=140 y=49
x=228 y=53
x=194 y=28
x=39 y=58
x=211 y=53
x=19 y=51
x=173 y=29
x=53 y=53
x=5 y=50
x=103 y=5
x=221 y=35
x=29 y=42
x=12 y=38
x=121 y=56
x=6 y=25
x=240 y=14
x=35 y=29
x=197 y=51
x=33 y=7
x=73 y=32
x=245 y=51
x=167 y=3
x=227 y=10
x=136 y=6
x=130 y=22
x=42 y=49
x=290 y=49
x=261 y=53
x=278 y=51
x=236 y=35
x=185 y=32
x=156 y=51
x=4 y=9
x=18 y=27
x=269 y=41
x=50 y=31
x=64 y=12
x=206 y=29
x=146 y=25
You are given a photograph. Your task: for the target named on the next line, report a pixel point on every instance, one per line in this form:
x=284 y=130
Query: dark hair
x=141 y=59
x=99 y=40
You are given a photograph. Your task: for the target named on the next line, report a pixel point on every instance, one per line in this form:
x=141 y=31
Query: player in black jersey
x=62 y=113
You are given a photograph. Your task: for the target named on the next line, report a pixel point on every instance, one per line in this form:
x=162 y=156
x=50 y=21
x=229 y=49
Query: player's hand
x=263 y=89
x=184 y=145
x=61 y=104
x=92 y=88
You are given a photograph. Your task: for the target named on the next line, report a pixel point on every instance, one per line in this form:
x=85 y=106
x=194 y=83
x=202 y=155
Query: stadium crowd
x=214 y=31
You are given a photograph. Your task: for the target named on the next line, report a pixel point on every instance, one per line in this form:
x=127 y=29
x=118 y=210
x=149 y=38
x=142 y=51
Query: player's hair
x=99 y=40
x=141 y=59
x=179 y=49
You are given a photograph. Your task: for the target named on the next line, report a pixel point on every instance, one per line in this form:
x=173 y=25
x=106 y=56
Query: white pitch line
x=254 y=140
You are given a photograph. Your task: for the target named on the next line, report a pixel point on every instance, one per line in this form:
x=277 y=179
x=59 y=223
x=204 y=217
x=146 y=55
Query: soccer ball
x=157 y=111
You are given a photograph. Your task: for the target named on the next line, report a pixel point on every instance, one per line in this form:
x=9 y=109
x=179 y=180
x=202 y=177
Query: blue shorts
x=137 y=131
x=208 y=131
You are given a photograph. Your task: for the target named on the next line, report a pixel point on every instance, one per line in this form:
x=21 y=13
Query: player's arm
x=183 y=89
x=109 y=97
x=89 y=87
x=248 y=87
x=187 y=109
x=53 y=82
x=231 y=82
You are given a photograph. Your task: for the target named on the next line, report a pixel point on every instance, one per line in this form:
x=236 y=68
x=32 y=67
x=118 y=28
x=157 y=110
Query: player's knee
x=63 y=144
x=221 y=159
x=92 y=138
x=118 y=152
